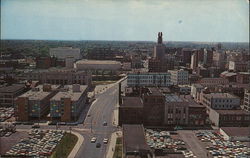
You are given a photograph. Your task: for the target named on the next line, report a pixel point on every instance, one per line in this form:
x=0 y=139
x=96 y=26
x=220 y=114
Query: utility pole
x=91 y=124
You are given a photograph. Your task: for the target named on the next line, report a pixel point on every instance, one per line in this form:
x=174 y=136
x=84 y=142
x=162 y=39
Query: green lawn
x=65 y=146
x=118 y=148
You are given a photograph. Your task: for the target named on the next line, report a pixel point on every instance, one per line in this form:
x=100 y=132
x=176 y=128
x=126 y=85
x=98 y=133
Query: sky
x=126 y=20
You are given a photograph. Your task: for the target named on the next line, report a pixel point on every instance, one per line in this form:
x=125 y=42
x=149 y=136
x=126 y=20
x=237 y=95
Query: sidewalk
x=77 y=146
x=115 y=116
x=112 y=143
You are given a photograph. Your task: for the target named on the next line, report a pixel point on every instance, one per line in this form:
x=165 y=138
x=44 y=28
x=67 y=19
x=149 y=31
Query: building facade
x=148 y=79
x=64 y=52
x=67 y=104
x=61 y=76
x=9 y=93
x=176 y=111
x=221 y=101
x=35 y=103
x=179 y=77
x=246 y=103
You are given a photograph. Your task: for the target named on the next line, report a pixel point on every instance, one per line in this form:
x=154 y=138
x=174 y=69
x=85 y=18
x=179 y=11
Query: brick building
x=9 y=93
x=35 y=103
x=67 y=104
x=153 y=107
x=131 y=111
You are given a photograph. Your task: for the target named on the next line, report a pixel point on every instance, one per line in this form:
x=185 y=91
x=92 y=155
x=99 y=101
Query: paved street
x=193 y=142
x=100 y=111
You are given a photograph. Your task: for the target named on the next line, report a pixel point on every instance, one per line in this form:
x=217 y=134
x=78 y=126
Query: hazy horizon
x=109 y=20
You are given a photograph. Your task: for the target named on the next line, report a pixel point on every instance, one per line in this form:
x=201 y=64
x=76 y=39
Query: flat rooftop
x=132 y=102
x=68 y=92
x=134 y=138
x=84 y=61
x=37 y=93
x=173 y=98
x=222 y=95
x=236 y=131
x=232 y=112
x=11 y=89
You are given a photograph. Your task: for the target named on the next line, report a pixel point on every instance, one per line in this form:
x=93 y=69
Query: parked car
x=105 y=123
x=105 y=140
x=98 y=145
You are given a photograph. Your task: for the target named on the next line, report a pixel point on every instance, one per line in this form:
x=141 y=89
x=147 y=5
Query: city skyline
x=208 y=21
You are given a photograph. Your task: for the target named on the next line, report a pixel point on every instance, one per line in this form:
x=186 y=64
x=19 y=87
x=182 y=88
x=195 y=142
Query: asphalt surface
x=101 y=110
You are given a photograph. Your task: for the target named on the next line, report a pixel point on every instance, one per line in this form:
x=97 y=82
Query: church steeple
x=159 y=41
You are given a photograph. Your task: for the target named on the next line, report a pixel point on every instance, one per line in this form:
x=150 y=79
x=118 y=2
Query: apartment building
x=35 y=103
x=67 y=104
x=64 y=52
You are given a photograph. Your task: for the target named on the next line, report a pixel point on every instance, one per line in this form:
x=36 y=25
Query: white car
x=105 y=140
x=93 y=140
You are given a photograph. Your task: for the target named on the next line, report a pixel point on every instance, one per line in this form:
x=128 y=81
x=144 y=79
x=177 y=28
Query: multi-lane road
x=102 y=110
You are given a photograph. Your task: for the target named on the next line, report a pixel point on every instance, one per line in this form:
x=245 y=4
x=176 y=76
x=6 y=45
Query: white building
x=246 y=104
x=195 y=91
x=179 y=77
x=98 y=65
x=149 y=79
x=64 y=52
x=221 y=101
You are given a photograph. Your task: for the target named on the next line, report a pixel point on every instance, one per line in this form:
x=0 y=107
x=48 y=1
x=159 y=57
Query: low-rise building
x=229 y=118
x=62 y=76
x=98 y=65
x=9 y=93
x=246 y=103
x=176 y=111
x=153 y=107
x=64 y=52
x=240 y=66
x=197 y=113
x=134 y=143
x=149 y=79
x=221 y=101
x=179 y=77
x=235 y=133
x=213 y=82
x=243 y=77
x=35 y=103
x=131 y=111
x=67 y=104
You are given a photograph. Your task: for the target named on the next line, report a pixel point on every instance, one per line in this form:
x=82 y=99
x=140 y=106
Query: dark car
x=105 y=123
x=98 y=145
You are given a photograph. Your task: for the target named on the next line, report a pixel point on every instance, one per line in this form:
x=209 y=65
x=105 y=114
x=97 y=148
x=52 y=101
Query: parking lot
x=193 y=143
x=8 y=142
x=38 y=143
x=166 y=142
x=218 y=147
x=6 y=113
